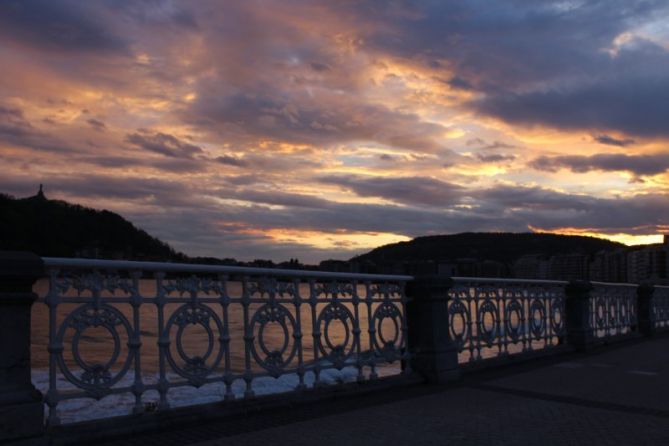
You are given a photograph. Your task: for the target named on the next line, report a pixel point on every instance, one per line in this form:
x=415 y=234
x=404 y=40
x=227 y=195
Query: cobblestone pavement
x=618 y=396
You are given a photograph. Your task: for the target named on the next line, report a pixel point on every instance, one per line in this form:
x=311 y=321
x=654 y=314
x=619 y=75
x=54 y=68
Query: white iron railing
x=145 y=331
x=613 y=310
x=158 y=326
x=660 y=307
x=497 y=317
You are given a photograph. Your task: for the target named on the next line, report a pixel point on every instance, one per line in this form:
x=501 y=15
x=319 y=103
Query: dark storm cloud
x=62 y=25
x=408 y=190
x=163 y=143
x=544 y=208
x=545 y=62
x=636 y=164
x=611 y=141
x=508 y=43
x=633 y=106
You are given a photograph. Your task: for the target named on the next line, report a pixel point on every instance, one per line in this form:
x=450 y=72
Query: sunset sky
x=277 y=129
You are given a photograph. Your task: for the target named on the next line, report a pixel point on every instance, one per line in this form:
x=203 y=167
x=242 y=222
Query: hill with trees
x=60 y=229
x=501 y=247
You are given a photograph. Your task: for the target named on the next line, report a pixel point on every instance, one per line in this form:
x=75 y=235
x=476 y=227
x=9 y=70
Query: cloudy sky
x=299 y=128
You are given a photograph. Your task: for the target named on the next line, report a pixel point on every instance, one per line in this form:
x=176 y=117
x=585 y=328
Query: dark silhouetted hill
x=60 y=229
x=500 y=247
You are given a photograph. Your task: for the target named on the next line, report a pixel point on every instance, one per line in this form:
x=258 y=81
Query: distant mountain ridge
x=501 y=247
x=60 y=229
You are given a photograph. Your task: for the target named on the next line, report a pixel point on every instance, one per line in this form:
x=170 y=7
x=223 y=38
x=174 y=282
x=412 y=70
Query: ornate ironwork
x=273 y=359
x=613 y=310
x=195 y=368
x=95 y=377
x=337 y=353
x=489 y=318
x=212 y=325
x=660 y=307
x=388 y=347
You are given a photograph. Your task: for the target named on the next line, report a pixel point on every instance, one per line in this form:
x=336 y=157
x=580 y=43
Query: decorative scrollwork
x=94 y=282
x=600 y=313
x=388 y=289
x=459 y=317
x=513 y=323
x=389 y=348
x=557 y=316
x=195 y=368
x=339 y=353
x=537 y=318
x=488 y=313
x=273 y=360
x=335 y=289
x=613 y=310
x=193 y=285
x=660 y=307
x=270 y=287
x=97 y=377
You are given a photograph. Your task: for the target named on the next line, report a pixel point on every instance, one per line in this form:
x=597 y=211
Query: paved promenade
x=617 y=396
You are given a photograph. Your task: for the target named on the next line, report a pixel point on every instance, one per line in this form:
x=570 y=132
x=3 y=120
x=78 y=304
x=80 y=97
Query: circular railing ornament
x=600 y=313
x=195 y=368
x=537 y=318
x=624 y=315
x=458 y=312
x=273 y=360
x=389 y=348
x=337 y=353
x=557 y=316
x=514 y=331
x=612 y=313
x=96 y=377
x=488 y=335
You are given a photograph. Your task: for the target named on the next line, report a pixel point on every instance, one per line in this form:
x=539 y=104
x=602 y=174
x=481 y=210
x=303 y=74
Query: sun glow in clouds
x=337 y=240
x=340 y=126
x=627 y=239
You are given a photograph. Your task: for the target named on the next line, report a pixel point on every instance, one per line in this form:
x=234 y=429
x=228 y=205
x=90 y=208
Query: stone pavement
x=616 y=396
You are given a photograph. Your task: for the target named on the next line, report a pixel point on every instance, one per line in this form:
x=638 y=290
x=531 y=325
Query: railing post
x=645 y=309
x=579 y=317
x=433 y=354
x=21 y=408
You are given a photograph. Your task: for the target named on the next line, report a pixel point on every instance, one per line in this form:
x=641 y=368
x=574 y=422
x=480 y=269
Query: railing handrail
x=625 y=284
x=59 y=262
x=508 y=280
x=79 y=263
